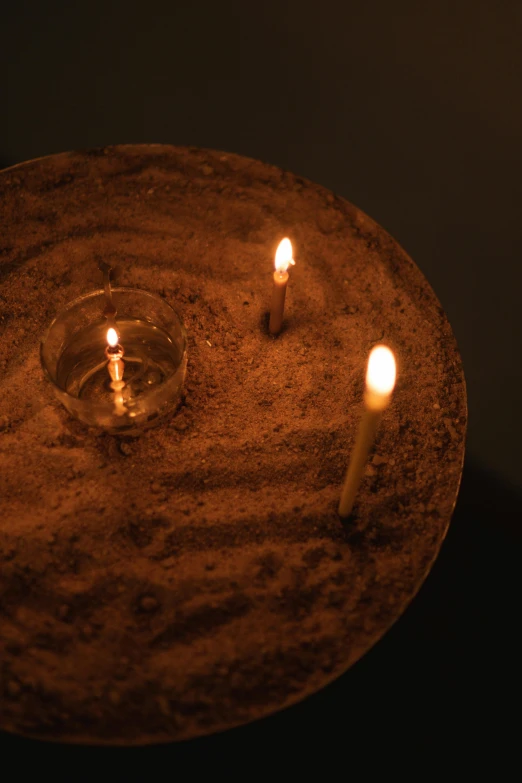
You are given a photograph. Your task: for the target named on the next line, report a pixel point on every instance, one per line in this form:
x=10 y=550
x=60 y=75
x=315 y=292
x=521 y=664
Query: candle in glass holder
x=83 y=367
x=283 y=259
x=380 y=382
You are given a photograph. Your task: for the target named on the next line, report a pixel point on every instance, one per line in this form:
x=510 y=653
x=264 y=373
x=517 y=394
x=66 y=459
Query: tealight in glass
x=119 y=369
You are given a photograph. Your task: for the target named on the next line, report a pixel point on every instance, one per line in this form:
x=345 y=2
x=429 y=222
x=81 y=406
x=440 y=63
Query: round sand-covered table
x=198 y=576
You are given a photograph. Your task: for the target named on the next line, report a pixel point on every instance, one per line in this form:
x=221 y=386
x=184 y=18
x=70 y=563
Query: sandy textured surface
x=198 y=577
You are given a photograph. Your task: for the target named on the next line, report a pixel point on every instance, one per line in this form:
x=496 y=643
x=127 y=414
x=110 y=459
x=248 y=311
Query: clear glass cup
x=72 y=353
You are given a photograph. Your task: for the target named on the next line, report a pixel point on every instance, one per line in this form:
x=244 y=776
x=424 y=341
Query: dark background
x=411 y=110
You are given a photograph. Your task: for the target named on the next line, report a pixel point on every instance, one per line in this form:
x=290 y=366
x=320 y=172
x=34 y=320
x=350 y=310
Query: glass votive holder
x=73 y=357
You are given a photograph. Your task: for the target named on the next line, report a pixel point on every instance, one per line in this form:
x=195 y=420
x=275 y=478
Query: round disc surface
x=198 y=577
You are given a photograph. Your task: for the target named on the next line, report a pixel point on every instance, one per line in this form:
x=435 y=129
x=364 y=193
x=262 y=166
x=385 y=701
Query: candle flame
x=283 y=256
x=112 y=337
x=381 y=372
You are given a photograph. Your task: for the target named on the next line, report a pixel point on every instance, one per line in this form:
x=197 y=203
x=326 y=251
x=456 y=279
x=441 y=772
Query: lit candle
x=283 y=259
x=114 y=353
x=380 y=381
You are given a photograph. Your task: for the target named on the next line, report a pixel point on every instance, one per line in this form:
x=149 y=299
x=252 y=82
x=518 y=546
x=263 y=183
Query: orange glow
x=283 y=256
x=112 y=337
x=381 y=372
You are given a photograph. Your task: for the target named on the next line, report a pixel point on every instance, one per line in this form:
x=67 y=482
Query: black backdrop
x=411 y=110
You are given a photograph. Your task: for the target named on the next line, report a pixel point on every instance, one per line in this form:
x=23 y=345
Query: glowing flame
x=283 y=256
x=112 y=337
x=381 y=372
